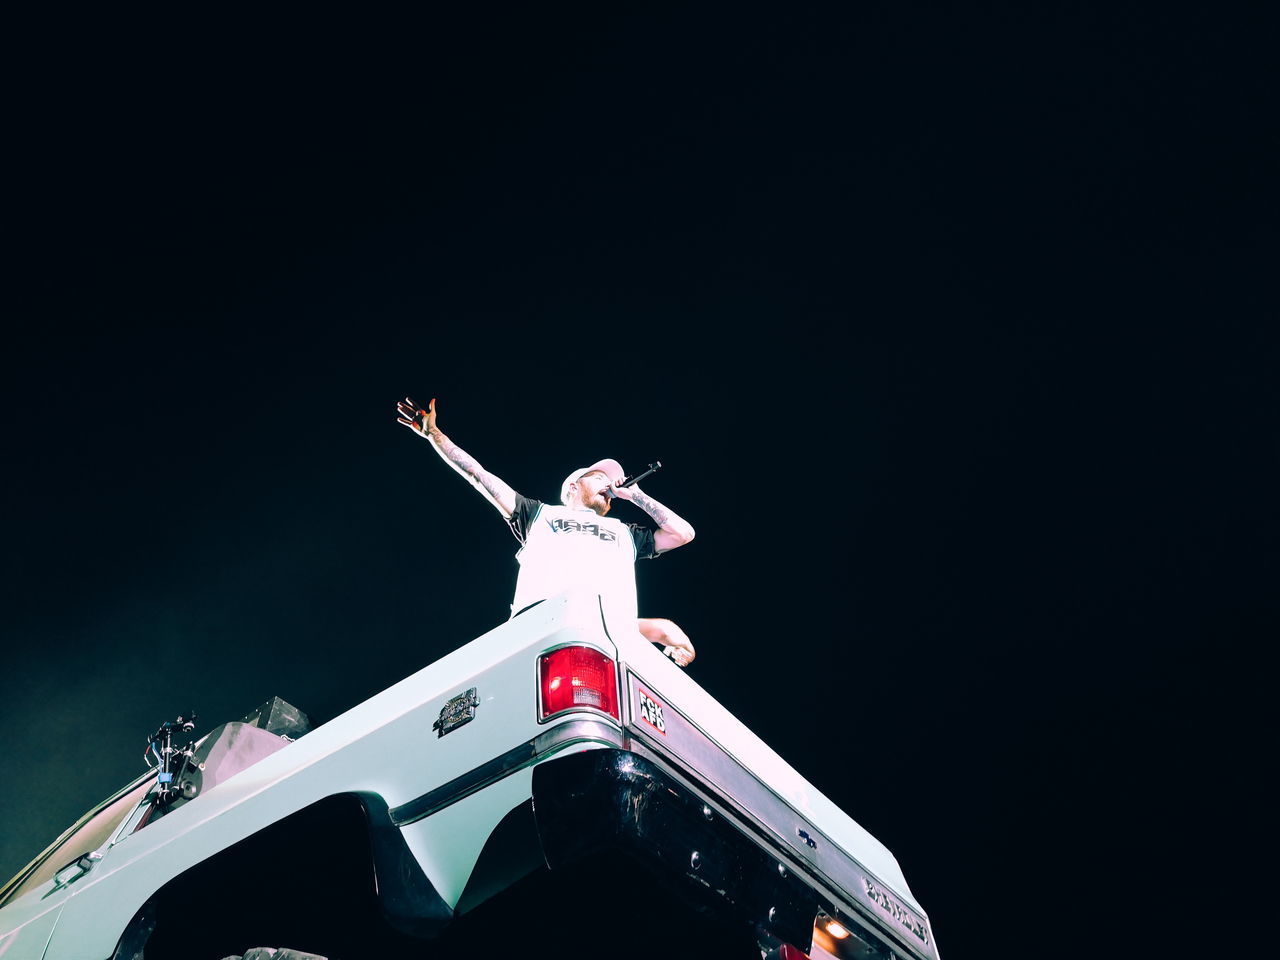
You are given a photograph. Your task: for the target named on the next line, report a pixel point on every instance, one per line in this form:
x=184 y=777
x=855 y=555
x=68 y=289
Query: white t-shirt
x=563 y=548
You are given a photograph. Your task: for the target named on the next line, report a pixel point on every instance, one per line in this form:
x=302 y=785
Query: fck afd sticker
x=651 y=711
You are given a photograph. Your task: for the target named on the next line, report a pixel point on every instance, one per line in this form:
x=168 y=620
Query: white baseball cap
x=610 y=468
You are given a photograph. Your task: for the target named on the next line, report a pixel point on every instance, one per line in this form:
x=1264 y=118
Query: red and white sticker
x=650 y=711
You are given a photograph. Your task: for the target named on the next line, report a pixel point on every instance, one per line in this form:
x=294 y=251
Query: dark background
x=945 y=324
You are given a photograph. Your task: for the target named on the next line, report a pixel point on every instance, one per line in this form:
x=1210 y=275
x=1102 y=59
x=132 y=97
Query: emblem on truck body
x=457 y=711
x=895 y=910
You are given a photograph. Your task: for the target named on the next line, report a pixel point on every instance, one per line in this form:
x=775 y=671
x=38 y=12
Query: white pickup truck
x=557 y=761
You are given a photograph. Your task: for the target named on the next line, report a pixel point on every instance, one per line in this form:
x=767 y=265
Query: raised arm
x=673 y=530
x=423 y=423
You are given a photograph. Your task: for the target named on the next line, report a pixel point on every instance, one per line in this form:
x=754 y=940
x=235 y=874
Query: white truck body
x=446 y=792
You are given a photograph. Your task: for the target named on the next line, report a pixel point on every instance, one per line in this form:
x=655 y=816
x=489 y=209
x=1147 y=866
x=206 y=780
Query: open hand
x=675 y=642
x=682 y=654
x=422 y=422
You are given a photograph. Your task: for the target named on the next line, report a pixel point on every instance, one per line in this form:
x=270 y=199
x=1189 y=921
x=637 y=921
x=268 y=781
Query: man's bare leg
x=675 y=642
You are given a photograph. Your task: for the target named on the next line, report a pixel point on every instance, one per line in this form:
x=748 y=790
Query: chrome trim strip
x=518 y=757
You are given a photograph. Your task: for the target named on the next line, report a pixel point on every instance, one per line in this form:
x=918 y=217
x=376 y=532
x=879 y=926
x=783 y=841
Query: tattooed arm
x=673 y=530
x=423 y=423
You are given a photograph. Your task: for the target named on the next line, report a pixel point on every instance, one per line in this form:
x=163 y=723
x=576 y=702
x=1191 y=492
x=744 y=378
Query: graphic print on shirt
x=563 y=525
x=566 y=549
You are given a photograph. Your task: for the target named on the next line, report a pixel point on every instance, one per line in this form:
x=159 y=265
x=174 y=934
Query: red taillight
x=575 y=677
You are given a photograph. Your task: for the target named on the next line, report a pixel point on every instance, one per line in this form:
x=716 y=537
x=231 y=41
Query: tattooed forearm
x=489 y=486
x=653 y=508
x=458 y=458
x=666 y=518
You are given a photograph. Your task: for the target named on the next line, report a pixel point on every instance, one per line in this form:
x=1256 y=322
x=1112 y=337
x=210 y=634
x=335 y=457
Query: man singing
x=575 y=544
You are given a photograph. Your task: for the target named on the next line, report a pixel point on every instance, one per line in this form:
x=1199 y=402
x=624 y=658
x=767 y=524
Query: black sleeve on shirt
x=523 y=516
x=642 y=537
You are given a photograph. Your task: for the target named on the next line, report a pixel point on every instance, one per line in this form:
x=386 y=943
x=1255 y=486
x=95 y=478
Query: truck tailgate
x=684 y=727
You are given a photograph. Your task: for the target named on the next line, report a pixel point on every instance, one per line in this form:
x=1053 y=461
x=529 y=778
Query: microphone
x=636 y=478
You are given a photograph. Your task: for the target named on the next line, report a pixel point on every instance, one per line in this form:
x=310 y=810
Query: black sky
x=943 y=323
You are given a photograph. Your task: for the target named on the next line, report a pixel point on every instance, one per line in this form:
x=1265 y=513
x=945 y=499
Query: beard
x=599 y=503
